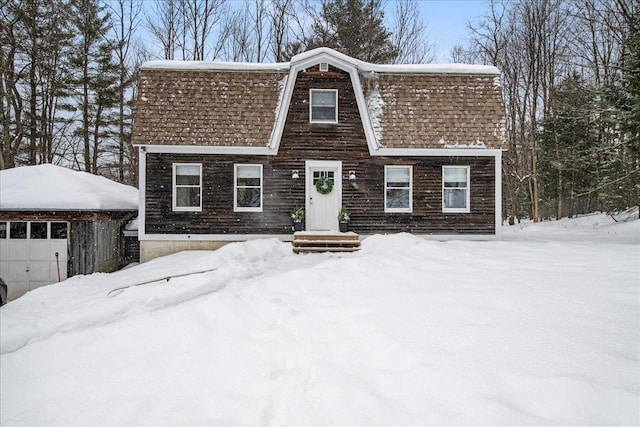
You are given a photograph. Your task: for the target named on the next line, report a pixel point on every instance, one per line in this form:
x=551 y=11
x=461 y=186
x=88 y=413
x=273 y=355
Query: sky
x=447 y=22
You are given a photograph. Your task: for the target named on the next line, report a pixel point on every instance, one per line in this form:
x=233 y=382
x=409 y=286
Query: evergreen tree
x=621 y=173
x=569 y=149
x=34 y=41
x=95 y=78
x=355 y=28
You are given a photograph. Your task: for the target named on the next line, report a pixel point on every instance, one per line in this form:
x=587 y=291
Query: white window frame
x=467 y=208
x=386 y=187
x=311 y=120
x=237 y=208
x=175 y=187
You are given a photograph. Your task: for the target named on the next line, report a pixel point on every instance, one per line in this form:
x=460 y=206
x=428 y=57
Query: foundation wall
x=150 y=249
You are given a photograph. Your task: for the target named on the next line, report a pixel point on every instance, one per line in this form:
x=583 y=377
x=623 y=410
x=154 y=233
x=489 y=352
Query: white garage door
x=32 y=254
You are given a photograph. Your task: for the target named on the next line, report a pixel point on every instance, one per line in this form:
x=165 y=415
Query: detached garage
x=56 y=222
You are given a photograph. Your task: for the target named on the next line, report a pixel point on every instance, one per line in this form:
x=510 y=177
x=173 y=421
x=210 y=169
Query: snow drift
x=538 y=329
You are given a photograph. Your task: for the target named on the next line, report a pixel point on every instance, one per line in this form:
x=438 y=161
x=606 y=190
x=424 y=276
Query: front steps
x=325 y=241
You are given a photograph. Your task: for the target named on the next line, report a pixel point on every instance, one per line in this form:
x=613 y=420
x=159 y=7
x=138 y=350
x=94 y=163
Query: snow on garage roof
x=49 y=187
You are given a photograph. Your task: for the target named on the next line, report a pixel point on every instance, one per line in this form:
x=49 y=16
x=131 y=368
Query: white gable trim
x=267 y=151
x=337 y=60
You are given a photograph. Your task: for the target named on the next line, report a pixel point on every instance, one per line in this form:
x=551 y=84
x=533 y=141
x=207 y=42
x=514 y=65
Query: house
x=228 y=150
x=56 y=222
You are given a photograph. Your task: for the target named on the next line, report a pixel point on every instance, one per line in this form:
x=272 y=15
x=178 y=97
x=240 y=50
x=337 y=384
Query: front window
x=398 y=181
x=187 y=187
x=248 y=188
x=455 y=189
x=324 y=106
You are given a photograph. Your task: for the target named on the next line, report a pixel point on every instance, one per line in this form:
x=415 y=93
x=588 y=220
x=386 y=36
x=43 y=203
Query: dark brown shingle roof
x=436 y=110
x=206 y=107
x=236 y=105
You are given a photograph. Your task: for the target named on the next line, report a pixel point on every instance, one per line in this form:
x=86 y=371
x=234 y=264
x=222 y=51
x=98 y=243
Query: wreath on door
x=324 y=185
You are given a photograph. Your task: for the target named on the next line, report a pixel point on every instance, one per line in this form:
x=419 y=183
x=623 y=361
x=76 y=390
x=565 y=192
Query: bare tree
x=164 y=23
x=201 y=18
x=239 y=46
x=285 y=22
x=458 y=54
x=528 y=41
x=258 y=14
x=410 y=34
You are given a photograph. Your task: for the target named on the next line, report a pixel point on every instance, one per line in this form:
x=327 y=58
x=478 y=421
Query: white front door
x=322 y=209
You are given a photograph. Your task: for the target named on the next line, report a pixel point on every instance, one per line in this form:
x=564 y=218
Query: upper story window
x=323 y=106
x=187 y=187
x=455 y=189
x=398 y=183
x=248 y=188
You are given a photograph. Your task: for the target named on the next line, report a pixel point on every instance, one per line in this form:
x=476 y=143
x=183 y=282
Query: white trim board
x=142 y=187
x=498 y=192
x=213 y=237
x=289 y=237
x=265 y=151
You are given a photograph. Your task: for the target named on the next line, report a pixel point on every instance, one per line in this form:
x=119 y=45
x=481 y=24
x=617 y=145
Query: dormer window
x=323 y=106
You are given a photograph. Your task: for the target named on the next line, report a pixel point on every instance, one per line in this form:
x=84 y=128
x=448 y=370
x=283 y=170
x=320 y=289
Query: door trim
x=337 y=185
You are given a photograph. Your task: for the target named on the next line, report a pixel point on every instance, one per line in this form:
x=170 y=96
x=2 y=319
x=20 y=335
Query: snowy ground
x=540 y=328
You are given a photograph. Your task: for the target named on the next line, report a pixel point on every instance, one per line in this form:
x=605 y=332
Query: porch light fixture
x=352 y=175
x=295 y=174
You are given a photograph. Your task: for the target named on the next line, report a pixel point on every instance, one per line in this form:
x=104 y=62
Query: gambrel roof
x=230 y=107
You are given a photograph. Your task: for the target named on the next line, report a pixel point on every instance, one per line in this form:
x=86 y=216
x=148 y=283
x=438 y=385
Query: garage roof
x=49 y=187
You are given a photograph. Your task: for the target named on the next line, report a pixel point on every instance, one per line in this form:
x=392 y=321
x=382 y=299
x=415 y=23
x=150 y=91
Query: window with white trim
x=248 y=188
x=455 y=189
x=323 y=106
x=187 y=187
x=398 y=188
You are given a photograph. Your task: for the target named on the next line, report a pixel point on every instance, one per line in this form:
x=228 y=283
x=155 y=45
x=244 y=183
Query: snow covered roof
x=231 y=106
x=48 y=187
x=305 y=56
